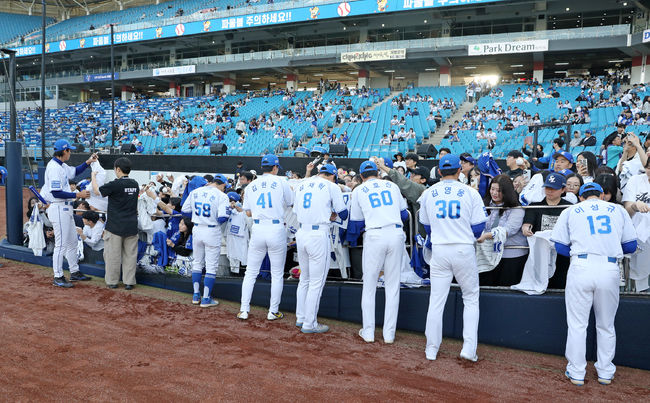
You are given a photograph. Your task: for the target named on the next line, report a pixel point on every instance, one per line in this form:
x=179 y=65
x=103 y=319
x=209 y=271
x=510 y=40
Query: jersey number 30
x=202 y=209
x=451 y=209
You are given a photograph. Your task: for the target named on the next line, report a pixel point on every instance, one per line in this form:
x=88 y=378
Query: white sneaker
x=320 y=328
x=242 y=315
x=274 y=316
x=367 y=340
x=390 y=341
x=467 y=357
x=431 y=353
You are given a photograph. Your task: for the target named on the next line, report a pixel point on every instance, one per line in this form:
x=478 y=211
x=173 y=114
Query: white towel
x=640 y=260
x=540 y=265
x=35 y=232
x=95 y=200
x=489 y=252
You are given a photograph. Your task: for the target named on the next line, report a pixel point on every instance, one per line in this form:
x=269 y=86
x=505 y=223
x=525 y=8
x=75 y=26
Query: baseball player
x=56 y=191
x=266 y=199
x=379 y=207
x=318 y=202
x=208 y=207
x=595 y=234
x=453 y=215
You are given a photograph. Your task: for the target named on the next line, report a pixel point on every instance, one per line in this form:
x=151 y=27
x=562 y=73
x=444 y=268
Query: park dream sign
x=497 y=48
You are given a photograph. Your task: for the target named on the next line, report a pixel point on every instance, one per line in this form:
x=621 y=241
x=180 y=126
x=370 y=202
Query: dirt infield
x=92 y=343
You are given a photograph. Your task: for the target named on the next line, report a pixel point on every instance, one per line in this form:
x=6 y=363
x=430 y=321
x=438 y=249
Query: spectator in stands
x=398 y=161
x=544 y=219
x=589 y=140
x=93 y=230
x=609 y=183
x=180 y=242
x=562 y=160
x=576 y=140
x=514 y=161
x=80 y=206
x=245 y=178
x=573 y=183
x=586 y=165
x=510 y=268
x=194 y=143
x=467 y=163
x=411 y=160
x=491 y=138
x=632 y=160
x=612 y=151
x=410 y=188
x=139 y=148
x=636 y=197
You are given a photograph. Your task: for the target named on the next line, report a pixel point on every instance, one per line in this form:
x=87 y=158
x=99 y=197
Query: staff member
x=60 y=197
x=121 y=233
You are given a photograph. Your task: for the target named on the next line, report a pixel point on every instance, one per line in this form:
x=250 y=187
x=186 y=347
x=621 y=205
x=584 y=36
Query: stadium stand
x=13 y=26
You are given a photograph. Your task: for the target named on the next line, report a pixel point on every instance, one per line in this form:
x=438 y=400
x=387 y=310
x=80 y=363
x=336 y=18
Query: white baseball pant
x=382 y=250
x=314 y=249
x=271 y=239
x=453 y=261
x=591 y=281
x=65 y=237
x=206 y=248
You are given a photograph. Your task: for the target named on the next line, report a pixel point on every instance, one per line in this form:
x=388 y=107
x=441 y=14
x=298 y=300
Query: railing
x=195 y=16
x=320 y=51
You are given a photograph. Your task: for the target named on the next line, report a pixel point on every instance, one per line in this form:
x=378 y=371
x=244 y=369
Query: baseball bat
x=38 y=195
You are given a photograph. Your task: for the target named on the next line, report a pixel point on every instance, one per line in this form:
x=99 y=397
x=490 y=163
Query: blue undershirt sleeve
x=629 y=247
x=343 y=214
x=564 y=250
x=79 y=169
x=478 y=229
x=60 y=194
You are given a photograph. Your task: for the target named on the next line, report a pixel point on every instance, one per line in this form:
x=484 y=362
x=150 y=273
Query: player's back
x=451 y=209
x=208 y=204
x=314 y=201
x=267 y=197
x=380 y=203
x=596 y=227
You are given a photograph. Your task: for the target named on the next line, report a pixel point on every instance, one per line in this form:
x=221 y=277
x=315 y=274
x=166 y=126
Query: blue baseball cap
x=327 y=169
x=367 y=166
x=221 y=178
x=388 y=162
x=62 y=145
x=588 y=131
x=564 y=154
x=469 y=159
x=233 y=196
x=270 y=160
x=449 y=161
x=555 y=181
x=590 y=186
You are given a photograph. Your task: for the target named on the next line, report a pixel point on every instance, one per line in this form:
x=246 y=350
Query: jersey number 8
x=451 y=210
x=202 y=209
x=377 y=200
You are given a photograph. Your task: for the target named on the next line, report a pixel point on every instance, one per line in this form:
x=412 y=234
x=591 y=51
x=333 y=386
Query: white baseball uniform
x=207 y=204
x=379 y=205
x=452 y=211
x=60 y=213
x=596 y=231
x=237 y=235
x=341 y=252
x=315 y=200
x=266 y=198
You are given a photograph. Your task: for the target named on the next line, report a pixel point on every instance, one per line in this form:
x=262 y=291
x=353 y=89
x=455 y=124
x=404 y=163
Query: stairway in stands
x=440 y=133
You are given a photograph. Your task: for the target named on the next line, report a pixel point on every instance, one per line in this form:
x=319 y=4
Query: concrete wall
x=428 y=79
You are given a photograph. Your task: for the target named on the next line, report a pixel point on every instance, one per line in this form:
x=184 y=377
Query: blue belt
x=203 y=225
x=272 y=222
x=388 y=226
x=609 y=258
x=313 y=227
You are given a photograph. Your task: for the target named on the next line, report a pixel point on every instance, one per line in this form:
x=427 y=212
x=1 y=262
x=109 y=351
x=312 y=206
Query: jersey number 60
x=375 y=200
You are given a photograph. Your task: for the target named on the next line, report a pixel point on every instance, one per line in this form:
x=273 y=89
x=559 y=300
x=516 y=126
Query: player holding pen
x=56 y=191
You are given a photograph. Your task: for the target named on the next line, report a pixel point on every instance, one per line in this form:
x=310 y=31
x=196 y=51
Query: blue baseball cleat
x=208 y=302
x=196 y=298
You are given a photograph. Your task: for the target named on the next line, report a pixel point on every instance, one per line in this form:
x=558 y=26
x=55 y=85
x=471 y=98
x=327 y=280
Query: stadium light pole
x=112 y=89
x=13 y=157
x=43 y=84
